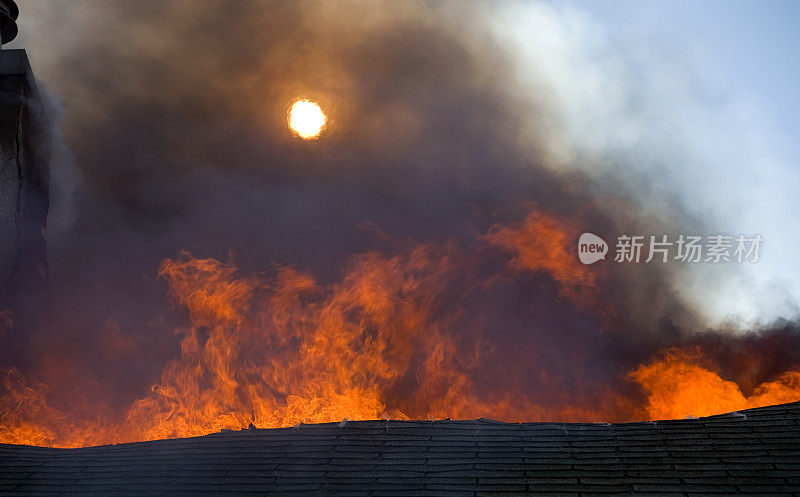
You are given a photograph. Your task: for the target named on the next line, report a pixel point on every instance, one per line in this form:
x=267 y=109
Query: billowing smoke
x=200 y=249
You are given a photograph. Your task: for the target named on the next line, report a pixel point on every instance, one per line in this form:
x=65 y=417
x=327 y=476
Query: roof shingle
x=752 y=452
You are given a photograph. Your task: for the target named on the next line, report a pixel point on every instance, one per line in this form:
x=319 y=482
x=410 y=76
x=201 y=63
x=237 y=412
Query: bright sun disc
x=306 y=119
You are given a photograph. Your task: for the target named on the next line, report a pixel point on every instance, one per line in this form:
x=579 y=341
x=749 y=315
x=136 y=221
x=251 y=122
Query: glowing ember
x=306 y=119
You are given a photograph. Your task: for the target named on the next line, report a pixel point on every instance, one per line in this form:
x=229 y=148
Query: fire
x=678 y=386
x=306 y=119
x=541 y=243
x=402 y=335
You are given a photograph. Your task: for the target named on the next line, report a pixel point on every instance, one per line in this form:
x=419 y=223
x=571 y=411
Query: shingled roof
x=750 y=452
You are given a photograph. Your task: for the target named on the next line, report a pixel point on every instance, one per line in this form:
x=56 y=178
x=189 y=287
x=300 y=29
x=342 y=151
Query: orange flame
x=384 y=341
x=678 y=387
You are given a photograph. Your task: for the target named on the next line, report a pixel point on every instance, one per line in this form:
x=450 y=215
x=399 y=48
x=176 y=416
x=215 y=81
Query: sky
x=725 y=74
x=749 y=53
x=749 y=48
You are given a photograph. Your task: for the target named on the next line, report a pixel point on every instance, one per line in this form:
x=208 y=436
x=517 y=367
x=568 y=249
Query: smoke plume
x=209 y=269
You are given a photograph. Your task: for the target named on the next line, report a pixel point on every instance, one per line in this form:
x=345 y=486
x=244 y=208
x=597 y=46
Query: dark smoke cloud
x=175 y=116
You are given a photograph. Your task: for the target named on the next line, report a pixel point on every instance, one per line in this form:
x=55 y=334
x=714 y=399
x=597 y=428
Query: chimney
x=24 y=178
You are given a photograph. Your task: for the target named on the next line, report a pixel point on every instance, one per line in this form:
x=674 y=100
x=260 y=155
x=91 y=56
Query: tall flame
x=395 y=337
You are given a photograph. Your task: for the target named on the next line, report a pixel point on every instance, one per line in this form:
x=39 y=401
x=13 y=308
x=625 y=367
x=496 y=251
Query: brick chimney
x=24 y=177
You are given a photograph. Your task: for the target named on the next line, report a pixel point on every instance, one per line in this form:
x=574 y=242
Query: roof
x=750 y=452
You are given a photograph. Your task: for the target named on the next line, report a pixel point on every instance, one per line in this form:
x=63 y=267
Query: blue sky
x=741 y=125
x=751 y=49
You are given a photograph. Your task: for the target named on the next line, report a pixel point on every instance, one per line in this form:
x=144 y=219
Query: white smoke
x=643 y=114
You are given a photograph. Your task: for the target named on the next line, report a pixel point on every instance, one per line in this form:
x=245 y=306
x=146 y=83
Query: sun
x=306 y=119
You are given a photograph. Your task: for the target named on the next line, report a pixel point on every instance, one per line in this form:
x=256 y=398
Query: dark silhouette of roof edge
x=750 y=452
